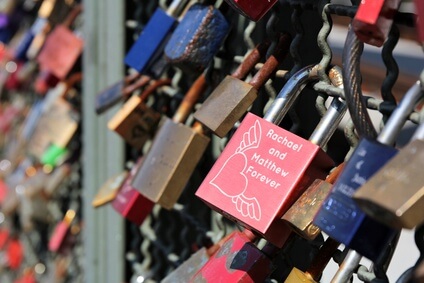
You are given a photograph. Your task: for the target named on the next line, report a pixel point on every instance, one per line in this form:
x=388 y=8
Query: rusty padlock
x=177 y=149
x=129 y=202
x=238 y=260
x=119 y=91
x=394 y=195
x=258 y=176
x=302 y=212
x=232 y=98
x=374 y=19
x=136 y=122
x=197 y=38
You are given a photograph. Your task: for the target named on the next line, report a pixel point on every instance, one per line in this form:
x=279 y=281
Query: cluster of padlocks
x=240 y=168
x=40 y=186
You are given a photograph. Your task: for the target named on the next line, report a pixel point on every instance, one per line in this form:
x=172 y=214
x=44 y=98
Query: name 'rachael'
x=284 y=141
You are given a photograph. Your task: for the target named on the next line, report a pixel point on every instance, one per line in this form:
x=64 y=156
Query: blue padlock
x=339 y=215
x=151 y=42
x=197 y=38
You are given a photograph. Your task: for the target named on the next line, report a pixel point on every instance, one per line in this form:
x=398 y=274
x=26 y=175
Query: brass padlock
x=135 y=121
x=109 y=190
x=394 y=195
x=174 y=154
x=302 y=212
x=232 y=98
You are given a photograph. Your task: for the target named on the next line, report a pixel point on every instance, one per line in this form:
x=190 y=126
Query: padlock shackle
x=141 y=81
x=190 y=99
x=271 y=65
x=320 y=261
x=329 y=123
x=288 y=94
x=72 y=16
x=347 y=268
x=176 y=7
x=400 y=115
x=251 y=60
x=153 y=87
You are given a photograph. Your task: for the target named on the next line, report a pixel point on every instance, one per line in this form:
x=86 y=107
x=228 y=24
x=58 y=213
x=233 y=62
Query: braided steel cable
x=352 y=81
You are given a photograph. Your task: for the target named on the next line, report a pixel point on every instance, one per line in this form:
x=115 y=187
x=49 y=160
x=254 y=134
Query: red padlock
x=419 y=9
x=61 y=230
x=14 y=253
x=252 y=9
x=238 y=260
x=129 y=202
x=374 y=19
x=264 y=168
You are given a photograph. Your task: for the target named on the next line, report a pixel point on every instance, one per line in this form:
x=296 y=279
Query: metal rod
x=347 y=268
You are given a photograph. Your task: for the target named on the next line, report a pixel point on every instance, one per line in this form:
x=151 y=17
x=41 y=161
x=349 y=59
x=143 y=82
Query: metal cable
x=352 y=81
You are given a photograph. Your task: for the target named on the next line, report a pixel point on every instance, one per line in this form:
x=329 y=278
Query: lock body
x=339 y=215
x=374 y=19
x=130 y=203
x=253 y=10
x=197 y=38
x=301 y=214
x=108 y=97
x=226 y=105
x=189 y=268
x=170 y=162
x=60 y=52
x=298 y=276
x=135 y=122
x=151 y=42
x=260 y=174
x=238 y=260
x=109 y=190
x=395 y=194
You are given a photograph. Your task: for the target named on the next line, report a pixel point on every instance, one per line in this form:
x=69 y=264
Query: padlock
x=302 y=212
x=14 y=254
x=53 y=132
x=339 y=216
x=174 y=154
x=129 y=202
x=109 y=190
x=314 y=271
x=419 y=9
x=197 y=38
x=394 y=195
x=119 y=91
x=194 y=263
x=135 y=121
x=177 y=148
x=253 y=10
x=151 y=42
x=374 y=19
x=232 y=98
x=56 y=178
x=61 y=49
x=238 y=260
x=61 y=230
x=258 y=176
